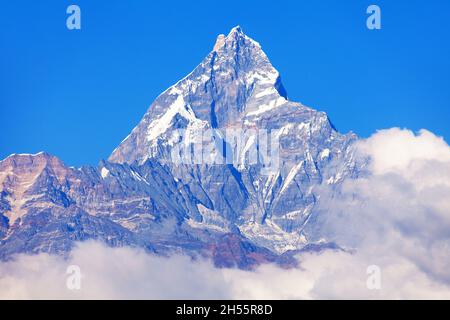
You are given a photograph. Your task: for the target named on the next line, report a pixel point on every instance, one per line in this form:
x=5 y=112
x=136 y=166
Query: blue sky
x=77 y=94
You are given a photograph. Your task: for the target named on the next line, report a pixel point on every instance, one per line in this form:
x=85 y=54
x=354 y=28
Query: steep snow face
x=165 y=122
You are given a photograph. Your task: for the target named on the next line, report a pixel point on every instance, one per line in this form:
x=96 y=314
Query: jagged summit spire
x=235 y=35
x=236 y=30
x=234 y=82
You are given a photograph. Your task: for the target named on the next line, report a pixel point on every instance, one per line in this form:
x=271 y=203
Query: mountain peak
x=233 y=82
x=236 y=32
x=235 y=35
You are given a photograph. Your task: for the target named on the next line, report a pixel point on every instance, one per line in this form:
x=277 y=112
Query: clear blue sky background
x=77 y=94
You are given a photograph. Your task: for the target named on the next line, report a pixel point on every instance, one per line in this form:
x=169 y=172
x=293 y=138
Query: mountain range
x=247 y=196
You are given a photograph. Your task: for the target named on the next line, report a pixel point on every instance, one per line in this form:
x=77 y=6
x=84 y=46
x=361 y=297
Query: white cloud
x=401 y=211
x=401 y=151
x=397 y=217
x=127 y=273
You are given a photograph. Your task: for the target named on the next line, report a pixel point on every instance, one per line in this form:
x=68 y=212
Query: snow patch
x=325 y=154
x=138 y=177
x=271 y=236
x=162 y=124
x=275 y=103
x=291 y=176
x=251 y=140
x=266 y=92
x=211 y=220
x=335 y=179
x=104 y=173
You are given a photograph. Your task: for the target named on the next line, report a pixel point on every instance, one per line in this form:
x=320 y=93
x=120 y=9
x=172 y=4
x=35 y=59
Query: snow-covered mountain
x=230 y=199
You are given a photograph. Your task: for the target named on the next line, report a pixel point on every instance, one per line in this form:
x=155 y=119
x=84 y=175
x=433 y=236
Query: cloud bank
x=396 y=218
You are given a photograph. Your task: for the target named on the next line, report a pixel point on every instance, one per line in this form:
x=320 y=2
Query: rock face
x=194 y=176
